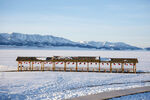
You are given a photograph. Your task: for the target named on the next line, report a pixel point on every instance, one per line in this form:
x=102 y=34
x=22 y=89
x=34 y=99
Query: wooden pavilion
x=77 y=64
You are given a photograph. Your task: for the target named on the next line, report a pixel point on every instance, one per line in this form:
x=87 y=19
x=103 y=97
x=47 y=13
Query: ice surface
x=63 y=85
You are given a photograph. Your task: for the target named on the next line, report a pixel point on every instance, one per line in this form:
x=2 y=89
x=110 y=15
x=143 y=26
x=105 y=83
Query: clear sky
x=98 y=20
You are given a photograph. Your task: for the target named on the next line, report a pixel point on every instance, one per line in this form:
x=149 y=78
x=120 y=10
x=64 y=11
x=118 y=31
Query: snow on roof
x=105 y=59
x=41 y=58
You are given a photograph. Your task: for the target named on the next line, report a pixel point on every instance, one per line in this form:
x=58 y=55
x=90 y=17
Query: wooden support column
x=122 y=67
x=53 y=67
x=41 y=66
x=64 y=66
x=29 y=66
x=32 y=65
x=18 y=66
x=76 y=66
x=21 y=66
x=99 y=67
x=134 y=67
x=93 y=69
x=110 y=67
x=87 y=66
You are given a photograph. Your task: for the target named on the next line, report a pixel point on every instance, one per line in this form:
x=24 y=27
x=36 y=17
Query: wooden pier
x=77 y=64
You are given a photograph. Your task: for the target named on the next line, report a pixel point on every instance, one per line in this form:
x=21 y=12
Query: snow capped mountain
x=31 y=40
x=111 y=45
x=36 y=40
x=148 y=48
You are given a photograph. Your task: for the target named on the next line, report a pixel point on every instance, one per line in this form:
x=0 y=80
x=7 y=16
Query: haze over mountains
x=49 y=41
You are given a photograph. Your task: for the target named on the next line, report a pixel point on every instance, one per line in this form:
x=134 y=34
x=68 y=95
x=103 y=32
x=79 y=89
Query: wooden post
x=70 y=69
x=64 y=66
x=53 y=66
x=134 y=67
x=21 y=66
x=122 y=67
x=87 y=66
x=18 y=66
x=76 y=66
x=31 y=65
x=99 y=67
x=110 y=67
x=50 y=67
x=117 y=70
x=43 y=66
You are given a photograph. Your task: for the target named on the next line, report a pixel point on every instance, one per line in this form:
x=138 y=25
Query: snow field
x=63 y=85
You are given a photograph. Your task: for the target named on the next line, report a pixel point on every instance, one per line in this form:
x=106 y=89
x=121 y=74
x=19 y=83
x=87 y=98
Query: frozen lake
x=63 y=85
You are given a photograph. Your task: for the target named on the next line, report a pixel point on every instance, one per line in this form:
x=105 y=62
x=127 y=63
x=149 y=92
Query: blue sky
x=98 y=20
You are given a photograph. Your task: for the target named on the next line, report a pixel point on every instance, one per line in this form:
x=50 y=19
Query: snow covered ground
x=139 y=96
x=63 y=85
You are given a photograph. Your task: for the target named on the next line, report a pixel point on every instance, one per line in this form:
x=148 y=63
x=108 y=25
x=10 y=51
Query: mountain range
x=49 y=41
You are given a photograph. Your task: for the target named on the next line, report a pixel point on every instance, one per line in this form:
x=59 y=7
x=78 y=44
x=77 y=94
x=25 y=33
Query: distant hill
x=42 y=41
x=148 y=48
x=112 y=45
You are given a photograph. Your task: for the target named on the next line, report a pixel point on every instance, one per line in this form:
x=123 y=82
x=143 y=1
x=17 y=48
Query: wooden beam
x=79 y=59
x=110 y=67
x=76 y=66
x=122 y=67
